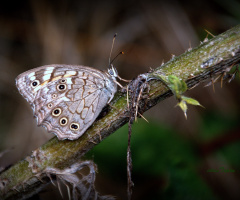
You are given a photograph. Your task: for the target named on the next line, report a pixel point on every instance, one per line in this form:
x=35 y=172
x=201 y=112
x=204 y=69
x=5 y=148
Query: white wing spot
x=31 y=74
x=46 y=77
x=70 y=73
x=32 y=78
x=49 y=70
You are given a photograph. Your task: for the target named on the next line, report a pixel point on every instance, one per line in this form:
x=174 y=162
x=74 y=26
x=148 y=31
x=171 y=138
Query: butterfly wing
x=66 y=99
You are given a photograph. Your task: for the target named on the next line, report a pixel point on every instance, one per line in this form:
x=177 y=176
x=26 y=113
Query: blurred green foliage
x=215 y=123
x=165 y=165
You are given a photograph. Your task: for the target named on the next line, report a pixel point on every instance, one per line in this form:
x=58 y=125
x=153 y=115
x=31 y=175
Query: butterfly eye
x=110 y=71
x=62 y=87
x=63 y=81
x=74 y=126
x=56 y=112
x=63 y=121
x=54 y=96
x=50 y=105
x=35 y=83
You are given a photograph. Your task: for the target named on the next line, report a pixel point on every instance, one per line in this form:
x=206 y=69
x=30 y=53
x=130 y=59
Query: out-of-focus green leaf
x=164 y=164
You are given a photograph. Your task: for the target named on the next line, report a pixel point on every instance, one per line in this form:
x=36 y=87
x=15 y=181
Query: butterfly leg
x=125 y=80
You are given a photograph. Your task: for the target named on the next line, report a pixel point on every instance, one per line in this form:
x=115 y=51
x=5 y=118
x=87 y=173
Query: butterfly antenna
x=120 y=53
x=114 y=37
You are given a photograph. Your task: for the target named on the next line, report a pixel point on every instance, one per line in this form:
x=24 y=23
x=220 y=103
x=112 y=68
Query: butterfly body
x=66 y=99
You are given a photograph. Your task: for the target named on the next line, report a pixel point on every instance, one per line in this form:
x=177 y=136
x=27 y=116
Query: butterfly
x=66 y=99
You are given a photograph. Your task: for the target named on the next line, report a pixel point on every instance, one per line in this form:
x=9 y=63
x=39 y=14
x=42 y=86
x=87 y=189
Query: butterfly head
x=112 y=71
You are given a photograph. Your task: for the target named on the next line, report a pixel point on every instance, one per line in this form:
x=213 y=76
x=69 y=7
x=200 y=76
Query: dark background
x=171 y=155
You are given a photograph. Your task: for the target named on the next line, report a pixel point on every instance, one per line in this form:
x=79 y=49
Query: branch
x=209 y=60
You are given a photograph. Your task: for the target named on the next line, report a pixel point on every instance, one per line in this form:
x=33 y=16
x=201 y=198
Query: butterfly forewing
x=66 y=99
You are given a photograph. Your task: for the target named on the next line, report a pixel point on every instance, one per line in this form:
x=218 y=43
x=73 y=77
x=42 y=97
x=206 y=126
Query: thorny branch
x=210 y=60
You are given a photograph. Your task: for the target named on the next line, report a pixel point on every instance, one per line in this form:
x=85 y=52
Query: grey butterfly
x=66 y=99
